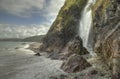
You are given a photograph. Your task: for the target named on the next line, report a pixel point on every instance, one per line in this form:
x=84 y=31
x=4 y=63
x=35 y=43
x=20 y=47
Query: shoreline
x=23 y=65
x=94 y=72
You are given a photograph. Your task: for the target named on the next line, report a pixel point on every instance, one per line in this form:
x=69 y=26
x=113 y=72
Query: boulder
x=75 y=63
x=74 y=46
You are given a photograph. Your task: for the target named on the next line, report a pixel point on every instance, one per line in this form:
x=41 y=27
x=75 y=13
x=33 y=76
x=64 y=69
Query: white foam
x=24 y=48
x=86 y=26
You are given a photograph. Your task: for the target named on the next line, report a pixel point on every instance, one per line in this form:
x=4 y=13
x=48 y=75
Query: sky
x=24 y=18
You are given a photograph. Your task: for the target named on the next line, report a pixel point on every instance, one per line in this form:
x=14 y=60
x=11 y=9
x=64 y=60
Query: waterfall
x=85 y=27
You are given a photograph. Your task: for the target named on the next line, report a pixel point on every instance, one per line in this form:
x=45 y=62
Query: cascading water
x=86 y=27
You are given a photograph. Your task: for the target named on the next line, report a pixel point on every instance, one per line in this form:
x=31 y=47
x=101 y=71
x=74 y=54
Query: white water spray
x=86 y=26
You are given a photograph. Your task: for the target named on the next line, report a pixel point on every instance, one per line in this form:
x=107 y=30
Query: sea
x=18 y=62
x=8 y=49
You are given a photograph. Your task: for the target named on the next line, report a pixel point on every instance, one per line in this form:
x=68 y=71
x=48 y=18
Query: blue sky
x=27 y=14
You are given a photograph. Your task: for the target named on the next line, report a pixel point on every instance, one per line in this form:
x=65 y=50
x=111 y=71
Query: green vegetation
x=68 y=17
x=34 y=38
x=103 y=4
x=71 y=11
x=66 y=25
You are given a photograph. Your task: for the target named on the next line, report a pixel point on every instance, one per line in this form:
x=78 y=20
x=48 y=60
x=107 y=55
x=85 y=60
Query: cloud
x=21 y=7
x=21 y=31
x=25 y=8
x=47 y=9
x=53 y=7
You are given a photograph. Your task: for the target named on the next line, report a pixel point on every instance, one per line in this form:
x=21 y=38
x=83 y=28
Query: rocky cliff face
x=106 y=15
x=65 y=27
x=106 y=23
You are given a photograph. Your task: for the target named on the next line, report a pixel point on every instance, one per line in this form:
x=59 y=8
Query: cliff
x=65 y=27
x=106 y=21
x=106 y=30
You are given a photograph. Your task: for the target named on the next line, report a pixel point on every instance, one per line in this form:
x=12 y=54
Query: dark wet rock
x=74 y=46
x=35 y=47
x=101 y=74
x=37 y=54
x=53 y=77
x=16 y=47
x=75 y=63
x=76 y=77
x=63 y=76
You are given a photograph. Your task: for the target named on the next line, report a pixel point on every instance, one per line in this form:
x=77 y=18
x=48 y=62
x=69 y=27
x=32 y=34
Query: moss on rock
x=106 y=21
x=65 y=27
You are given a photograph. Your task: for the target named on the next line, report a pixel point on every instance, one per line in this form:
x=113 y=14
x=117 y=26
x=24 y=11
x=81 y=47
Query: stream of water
x=85 y=27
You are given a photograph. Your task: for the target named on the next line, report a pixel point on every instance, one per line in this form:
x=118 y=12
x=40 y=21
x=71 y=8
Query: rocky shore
x=77 y=64
x=104 y=35
x=62 y=42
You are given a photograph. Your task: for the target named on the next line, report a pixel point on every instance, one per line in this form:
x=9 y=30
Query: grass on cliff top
x=103 y=3
x=68 y=3
x=67 y=14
